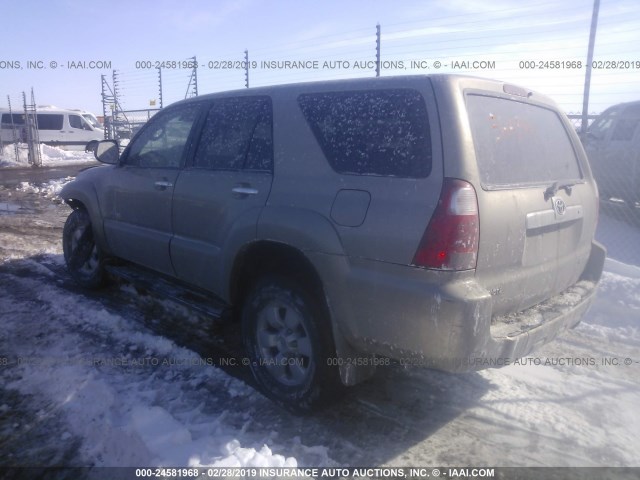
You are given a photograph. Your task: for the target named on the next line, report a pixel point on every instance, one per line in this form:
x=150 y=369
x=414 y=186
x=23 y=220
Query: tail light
x=450 y=241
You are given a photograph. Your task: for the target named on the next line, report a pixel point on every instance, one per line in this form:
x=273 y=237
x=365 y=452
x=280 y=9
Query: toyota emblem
x=559 y=206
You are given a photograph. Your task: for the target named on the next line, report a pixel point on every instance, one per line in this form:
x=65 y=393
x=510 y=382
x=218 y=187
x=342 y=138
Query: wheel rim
x=91 y=264
x=284 y=343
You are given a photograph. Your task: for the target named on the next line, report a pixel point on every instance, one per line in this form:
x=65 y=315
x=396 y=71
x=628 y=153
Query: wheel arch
x=270 y=257
x=80 y=195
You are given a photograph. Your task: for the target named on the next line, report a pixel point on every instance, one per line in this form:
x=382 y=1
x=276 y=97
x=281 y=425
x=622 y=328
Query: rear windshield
x=519 y=144
x=377 y=132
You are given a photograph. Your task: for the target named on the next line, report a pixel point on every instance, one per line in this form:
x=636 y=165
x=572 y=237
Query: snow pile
x=51 y=156
x=166 y=438
x=49 y=190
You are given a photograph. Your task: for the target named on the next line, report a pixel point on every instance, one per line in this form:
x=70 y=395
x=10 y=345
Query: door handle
x=244 y=190
x=162 y=185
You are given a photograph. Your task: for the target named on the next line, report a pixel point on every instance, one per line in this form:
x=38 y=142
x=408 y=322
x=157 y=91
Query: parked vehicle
x=444 y=221
x=612 y=144
x=68 y=129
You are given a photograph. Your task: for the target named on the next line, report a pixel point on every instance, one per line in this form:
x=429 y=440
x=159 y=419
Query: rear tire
x=287 y=337
x=82 y=256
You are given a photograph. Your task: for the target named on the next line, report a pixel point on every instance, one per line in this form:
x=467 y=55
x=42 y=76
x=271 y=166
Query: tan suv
x=445 y=221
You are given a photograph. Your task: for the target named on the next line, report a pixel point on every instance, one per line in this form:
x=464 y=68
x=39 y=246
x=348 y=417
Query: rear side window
x=518 y=143
x=14 y=118
x=50 y=121
x=237 y=135
x=377 y=132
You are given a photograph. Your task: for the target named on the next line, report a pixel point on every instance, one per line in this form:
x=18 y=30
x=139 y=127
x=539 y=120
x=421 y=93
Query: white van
x=68 y=129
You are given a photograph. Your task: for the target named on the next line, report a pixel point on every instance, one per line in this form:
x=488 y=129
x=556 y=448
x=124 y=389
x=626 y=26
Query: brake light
x=450 y=241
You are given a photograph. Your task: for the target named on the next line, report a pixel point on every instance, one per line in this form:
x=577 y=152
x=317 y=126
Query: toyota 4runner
x=445 y=220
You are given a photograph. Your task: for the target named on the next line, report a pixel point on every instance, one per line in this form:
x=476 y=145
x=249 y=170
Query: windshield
x=93 y=121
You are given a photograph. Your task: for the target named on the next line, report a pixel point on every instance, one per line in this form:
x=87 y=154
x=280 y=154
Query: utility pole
x=377 y=50
x=14 y=131
x=587 y=78
x=160 y=86
x=31 y=126
x=246 y=68
x=192 y=87
x=107 y=102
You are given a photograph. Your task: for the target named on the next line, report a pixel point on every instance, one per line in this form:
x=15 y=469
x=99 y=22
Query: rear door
x=138 y=195
x=219 y=196
x=537 y=201
x=382 y=144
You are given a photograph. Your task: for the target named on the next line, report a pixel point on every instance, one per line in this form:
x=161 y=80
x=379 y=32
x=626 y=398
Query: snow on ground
x=49 y=190
x=51 y=156
x=118 y=378
x=109 y=380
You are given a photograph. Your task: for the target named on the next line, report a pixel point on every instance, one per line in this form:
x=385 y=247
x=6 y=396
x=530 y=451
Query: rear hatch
x=537 y=201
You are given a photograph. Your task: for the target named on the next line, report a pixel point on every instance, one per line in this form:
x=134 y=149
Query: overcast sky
x=119 y=33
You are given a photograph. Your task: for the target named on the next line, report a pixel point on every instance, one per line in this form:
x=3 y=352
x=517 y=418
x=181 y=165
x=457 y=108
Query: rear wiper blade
x=553 y=189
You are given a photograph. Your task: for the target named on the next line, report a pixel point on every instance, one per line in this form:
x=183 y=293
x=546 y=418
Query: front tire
x=81 y=254
x=91 y=147
x=287 y=336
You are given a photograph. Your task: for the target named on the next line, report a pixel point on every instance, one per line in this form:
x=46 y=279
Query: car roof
x=399 y=81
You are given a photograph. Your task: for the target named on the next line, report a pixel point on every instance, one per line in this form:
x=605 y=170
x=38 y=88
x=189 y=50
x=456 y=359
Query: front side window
x=237 y=135
x=377 y=132
x=162 y=143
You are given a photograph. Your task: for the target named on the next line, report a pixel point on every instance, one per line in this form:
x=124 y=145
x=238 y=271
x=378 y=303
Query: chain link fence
x=127 y=123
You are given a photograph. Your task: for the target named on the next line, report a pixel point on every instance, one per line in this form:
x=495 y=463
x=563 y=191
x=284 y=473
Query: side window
x=600 y=128
x=624 y=129
x=50 y=121
x=377 y=132
x=15 y=119
x=602 y=125
x=237 y=135
x=162 y=143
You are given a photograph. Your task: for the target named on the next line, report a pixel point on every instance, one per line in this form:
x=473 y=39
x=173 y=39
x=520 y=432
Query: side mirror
x=107 y=152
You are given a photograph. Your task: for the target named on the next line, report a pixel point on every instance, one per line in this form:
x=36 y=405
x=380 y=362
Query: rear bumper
x=515 y=336
x=443 y=320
